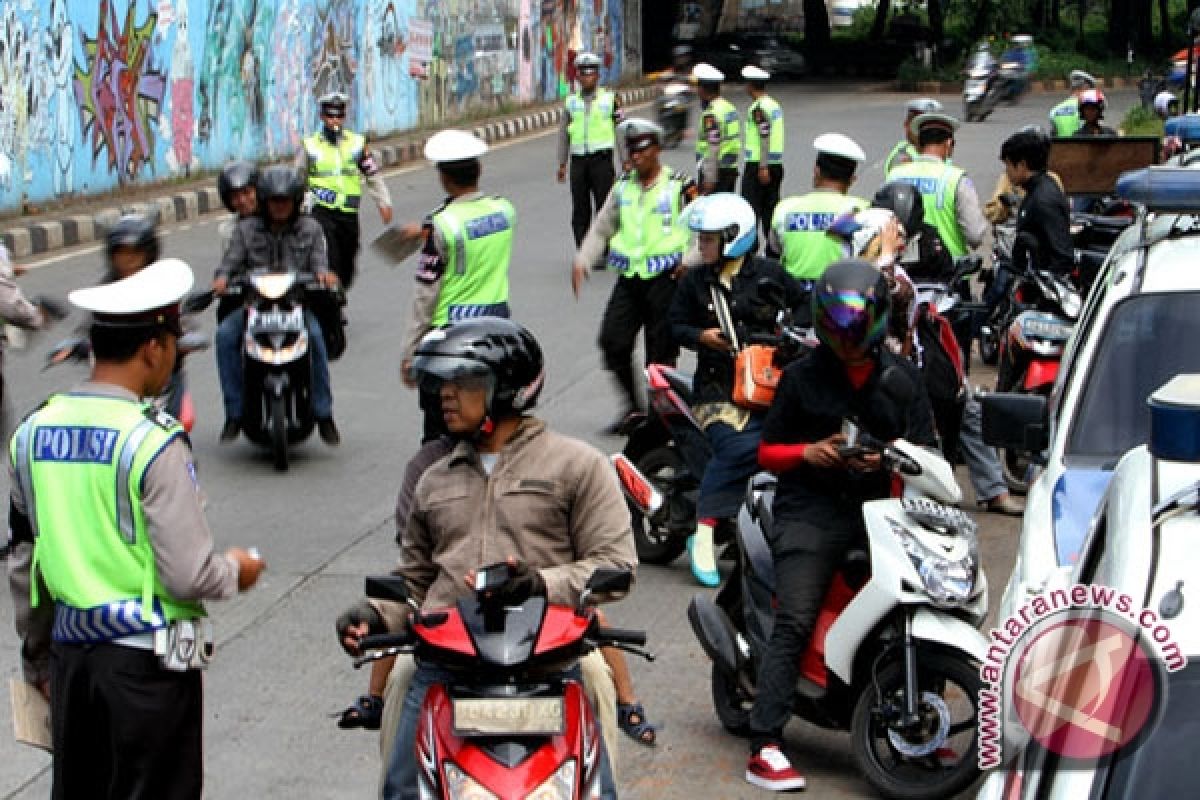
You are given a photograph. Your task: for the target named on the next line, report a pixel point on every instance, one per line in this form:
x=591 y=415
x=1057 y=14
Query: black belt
x=597 y=154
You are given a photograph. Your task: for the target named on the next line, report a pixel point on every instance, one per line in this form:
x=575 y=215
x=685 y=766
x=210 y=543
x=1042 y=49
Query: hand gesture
x=579 y=274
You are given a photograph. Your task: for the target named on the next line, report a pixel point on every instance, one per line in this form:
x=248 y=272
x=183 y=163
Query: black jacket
x=1045 y=214
x=813 y=400
x=692 y=313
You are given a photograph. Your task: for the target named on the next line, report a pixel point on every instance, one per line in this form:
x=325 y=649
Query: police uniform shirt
x=369 y=168
x=564 y=136
x=173 y=505
x=594 y=247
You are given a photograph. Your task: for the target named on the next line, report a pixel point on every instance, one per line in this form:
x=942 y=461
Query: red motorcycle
x=512 y=724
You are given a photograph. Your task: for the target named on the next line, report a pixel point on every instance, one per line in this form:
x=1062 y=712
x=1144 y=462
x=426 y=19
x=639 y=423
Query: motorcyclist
x=905 y=150
x=279 y=237
x=821 y=488
x=724 y=224
x=1091 y=110
x=17 y=310
x=557 y=515
x=237 y=186
x=1166 y=105
x=1021 y=53
x=1044 y=212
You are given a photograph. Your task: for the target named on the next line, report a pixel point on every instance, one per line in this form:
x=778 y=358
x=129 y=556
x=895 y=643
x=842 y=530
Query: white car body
x=1142 y=544
x=1067 y=489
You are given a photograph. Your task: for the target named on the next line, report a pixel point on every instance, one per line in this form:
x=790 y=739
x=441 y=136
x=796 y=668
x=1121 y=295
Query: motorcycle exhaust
x=637 y=488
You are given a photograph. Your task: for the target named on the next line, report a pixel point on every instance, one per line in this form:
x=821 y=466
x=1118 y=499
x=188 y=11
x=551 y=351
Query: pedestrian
x=112 y=557
x=556 y=516
x=725 y=230
x=588 y=134
x=466 y=247
x=951 y=202
x=763 y=175
x=719 y=138
x=1064 y=117
x=640 y=230
x=797 y=237
x=905 y=150
x=335 y=160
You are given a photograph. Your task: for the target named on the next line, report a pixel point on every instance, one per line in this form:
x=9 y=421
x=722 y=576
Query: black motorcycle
x=671 y=110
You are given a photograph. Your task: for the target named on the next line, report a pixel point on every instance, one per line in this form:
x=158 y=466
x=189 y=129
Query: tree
x=1164 y=18
x=816 y=24
x=881 y=16
x=936 y=22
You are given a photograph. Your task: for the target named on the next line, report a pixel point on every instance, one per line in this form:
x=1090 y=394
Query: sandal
x=367 y=712
x=631 y=717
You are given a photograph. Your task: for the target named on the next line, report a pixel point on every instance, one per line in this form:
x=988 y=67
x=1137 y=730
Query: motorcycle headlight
x=461 y=786
x=559 y=786
x=949 y=582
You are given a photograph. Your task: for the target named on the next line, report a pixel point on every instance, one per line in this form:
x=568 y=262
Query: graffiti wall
x=98 y=94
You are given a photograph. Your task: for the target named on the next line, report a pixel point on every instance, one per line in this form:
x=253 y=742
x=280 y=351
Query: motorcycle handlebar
x=621 y=636
x=381 y=641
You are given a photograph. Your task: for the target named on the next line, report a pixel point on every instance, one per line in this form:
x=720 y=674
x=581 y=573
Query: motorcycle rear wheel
x=656 y=542
x=989 y=348
x=731 y=702
x=1016 y=467
x=279 y=437
x=955 y=683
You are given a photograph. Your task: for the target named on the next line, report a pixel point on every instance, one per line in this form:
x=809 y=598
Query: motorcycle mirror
x=197 y=302
x=387 y=587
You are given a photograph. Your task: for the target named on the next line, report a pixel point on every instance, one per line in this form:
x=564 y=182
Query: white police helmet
x=454 y=145
x=729 y=215
x=707 y=73
x=1080 y=79
x=636 y=132
x=922 y=105
x=587 y=61
x=753 y=73
x=1162 y=103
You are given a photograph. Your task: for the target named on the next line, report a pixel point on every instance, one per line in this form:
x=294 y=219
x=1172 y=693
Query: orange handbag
x=755 y=377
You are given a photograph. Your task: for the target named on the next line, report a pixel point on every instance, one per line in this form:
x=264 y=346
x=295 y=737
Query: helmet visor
x=432 y=370
x=846 y=322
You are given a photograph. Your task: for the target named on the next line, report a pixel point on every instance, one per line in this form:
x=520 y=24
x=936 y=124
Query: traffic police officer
x=588 y=133
x=335 y=161
x=466 y=247
x=764 y=147
x=797 y=236
x=639 y=227
x=1064 y=117
x=719 y=138
x=112 y=557
x=905 y=150
x=951 y=203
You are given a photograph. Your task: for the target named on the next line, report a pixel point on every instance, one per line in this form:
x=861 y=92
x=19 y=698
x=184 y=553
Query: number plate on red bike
x=497 y=716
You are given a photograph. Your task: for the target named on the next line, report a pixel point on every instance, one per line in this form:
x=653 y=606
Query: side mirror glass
x=610 y=581
x=1016 y=421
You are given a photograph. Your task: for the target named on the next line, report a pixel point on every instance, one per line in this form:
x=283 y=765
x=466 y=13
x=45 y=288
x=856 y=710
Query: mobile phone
x=849 y=451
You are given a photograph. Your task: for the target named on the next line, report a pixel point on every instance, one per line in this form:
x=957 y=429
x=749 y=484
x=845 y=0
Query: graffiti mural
x=97 y=94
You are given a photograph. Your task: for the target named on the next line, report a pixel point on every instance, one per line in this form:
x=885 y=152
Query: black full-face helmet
x=905 y=202
x=235 y=176
x=280 y=181
x=503 y=354
x=137 y=231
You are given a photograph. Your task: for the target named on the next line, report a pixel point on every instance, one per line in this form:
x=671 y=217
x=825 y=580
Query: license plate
x=276 y=321
x=497 y=716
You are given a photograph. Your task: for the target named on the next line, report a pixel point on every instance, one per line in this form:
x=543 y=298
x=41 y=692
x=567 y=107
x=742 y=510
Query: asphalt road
x=279 y=674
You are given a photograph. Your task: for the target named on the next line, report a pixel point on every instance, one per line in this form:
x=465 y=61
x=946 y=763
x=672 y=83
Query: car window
x=1083 y=329
x=1149 y=339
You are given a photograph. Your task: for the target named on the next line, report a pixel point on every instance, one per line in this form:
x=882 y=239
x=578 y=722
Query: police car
x=1139 y=327
x=1141 y=545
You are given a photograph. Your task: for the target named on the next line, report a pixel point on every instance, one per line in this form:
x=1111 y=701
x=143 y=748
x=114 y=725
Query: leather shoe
x=329 y=432
x=1005 y=504
x=230 y=431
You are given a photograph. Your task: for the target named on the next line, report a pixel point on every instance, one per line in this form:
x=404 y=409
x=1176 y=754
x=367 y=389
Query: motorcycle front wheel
x=1016 y=466
x=937 y=756
x=731 y=702
x=279 y=437
x=656 y=542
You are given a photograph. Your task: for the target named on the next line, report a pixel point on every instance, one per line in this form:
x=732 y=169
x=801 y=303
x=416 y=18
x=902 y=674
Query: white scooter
x=895 y=653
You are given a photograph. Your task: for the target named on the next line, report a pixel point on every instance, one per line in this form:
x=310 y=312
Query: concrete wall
x=98 y=94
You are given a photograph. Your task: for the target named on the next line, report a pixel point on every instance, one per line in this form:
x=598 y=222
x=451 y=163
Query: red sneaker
x=770 y=769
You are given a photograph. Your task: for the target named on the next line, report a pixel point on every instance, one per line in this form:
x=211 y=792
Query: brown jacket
x=550 y=501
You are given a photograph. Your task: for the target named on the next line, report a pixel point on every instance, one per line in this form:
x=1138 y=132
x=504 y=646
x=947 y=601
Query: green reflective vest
x=1065 y=117
x=937 y=182
x=722 y=114
x=80 y=461
x=764 y=112
x=591 y=127
x=333 y=174
x=902 y=153
x=651 y=235
x=800 y=223
x=478 y=235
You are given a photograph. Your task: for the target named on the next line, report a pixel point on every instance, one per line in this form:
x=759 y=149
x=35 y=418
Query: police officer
x=335 y=161
x=588 y=133
x=905 y=150
x=719 y=138
x=112 y=557
x=639 y=227
x=1064 y=117
x=764 y=147
x=797 y=236
x=466 y=249
x=951 y=202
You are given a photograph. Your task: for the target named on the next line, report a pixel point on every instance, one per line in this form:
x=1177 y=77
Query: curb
x=36 y=235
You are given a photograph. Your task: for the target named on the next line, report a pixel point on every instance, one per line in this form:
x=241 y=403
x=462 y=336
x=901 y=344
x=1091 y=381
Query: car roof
x=1170 y=246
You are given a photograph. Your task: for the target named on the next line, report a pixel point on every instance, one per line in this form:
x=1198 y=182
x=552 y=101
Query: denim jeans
x=229 y=365
x=400 y=782
x=734 y=461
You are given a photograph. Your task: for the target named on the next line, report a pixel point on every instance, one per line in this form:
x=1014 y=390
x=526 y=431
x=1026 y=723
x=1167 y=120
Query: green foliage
x=1141 y=121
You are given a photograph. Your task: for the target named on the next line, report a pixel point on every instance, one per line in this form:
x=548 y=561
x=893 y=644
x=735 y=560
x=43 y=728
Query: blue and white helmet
x=728 y=214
